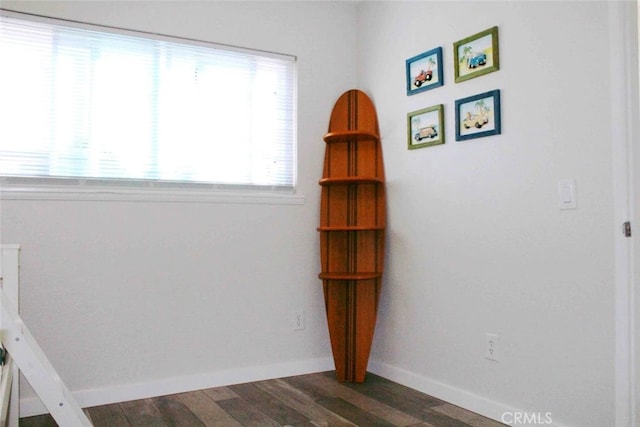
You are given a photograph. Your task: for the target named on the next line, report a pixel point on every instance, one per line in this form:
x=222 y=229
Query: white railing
x=25 y=353
x=10 y=381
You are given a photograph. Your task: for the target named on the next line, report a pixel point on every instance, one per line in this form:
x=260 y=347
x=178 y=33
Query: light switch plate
x=567 y=194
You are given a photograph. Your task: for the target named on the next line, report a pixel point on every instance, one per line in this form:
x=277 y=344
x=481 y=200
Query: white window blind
x=85 y=105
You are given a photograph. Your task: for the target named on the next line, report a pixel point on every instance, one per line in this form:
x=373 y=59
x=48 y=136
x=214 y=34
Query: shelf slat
x=351 y=180
x=350 y=276
x=351 y=227
x=350 y=135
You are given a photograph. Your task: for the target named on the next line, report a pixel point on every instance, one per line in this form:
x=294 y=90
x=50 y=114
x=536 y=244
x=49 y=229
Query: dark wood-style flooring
x=305 y=400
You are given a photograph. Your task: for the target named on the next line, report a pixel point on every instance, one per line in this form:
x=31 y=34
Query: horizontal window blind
x=87 y=105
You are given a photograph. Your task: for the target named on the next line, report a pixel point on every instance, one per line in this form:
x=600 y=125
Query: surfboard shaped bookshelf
x=352 y=231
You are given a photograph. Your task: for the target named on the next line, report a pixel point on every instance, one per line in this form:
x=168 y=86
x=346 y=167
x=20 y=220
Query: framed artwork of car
x=425 y=127
x=424 y=71
x=478 y=116
x=476 y=55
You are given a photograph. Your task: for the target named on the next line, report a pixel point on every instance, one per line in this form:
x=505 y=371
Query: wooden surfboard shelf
x=352 y=230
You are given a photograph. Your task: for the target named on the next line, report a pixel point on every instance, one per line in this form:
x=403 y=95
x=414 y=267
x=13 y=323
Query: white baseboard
x=455 y=396
x=86 y=398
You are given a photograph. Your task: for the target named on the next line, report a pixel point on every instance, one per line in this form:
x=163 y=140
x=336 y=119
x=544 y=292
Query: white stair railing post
x=10 y=282
x=27 y=354
x=37 y=369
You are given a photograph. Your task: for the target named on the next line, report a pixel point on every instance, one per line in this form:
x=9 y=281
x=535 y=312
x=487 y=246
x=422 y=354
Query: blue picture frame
x=424 y=71
x=478 y=116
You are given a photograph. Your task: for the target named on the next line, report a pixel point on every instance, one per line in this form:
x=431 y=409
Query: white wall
x=476 y=240
x=135 y=298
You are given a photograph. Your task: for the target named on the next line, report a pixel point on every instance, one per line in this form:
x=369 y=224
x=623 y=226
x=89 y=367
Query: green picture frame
x=425 y=127
x=476 y=55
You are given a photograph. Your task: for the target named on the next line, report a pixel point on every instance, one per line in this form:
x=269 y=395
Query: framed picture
x=424 y=71
x=478 y=115
x=476 y=55
x=425 y=127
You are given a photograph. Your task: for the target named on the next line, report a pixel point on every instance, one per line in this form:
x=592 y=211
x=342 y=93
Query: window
x=87 y=106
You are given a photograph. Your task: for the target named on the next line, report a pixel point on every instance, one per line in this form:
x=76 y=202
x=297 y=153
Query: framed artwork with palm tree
x=425 y=127
x=478 y=116
x=476 y=55
x=424 y=71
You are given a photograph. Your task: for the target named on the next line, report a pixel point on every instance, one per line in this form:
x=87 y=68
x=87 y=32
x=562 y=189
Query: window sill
x=64 y=193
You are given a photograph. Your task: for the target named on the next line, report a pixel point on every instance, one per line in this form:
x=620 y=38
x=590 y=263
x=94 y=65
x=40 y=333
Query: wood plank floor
x=305 y=400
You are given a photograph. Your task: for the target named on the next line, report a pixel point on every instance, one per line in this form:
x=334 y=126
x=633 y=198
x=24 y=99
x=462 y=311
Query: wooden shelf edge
x=352 y=228
x=350 y=276
x=350 y=135
x=351 y=180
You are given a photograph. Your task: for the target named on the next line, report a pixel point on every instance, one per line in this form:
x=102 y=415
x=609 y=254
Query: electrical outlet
x=492 y=346
x=298 y=320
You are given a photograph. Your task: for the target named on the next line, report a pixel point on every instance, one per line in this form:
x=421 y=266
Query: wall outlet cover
x=492 y=346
